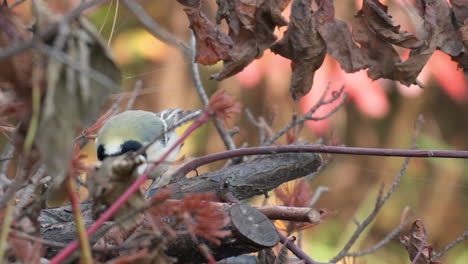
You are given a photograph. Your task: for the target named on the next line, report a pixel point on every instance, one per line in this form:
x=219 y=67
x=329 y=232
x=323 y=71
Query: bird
x=132 y=130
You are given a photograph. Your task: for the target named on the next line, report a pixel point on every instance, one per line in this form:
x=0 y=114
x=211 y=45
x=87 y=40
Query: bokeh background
x=380 y=114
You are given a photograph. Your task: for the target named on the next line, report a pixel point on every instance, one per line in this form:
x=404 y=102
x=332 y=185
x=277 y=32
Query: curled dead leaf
x=415 y=241
x=212 y=44
x=303 y=45
x=382 y=57
x=378 y=19
x=338 y=38
x=251 y=25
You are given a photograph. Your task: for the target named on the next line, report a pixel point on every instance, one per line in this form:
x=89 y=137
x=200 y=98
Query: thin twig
x=196 y=73
x=114 y=21
x=34 y=181
x=133 y=96
x=309 y=115
x=389 y=237
x=317 y=194
x=6 y=225
x=421 y=249
x=36 y=106
x=271 y=150
x=381 y=200
x=65 y=59
x=8 y=150
x=49 y=243
x=154 y=28
x=17 y=3
x=457 y=241
x=227 y=139
x=264 y=130
x=105 y=17
x=85 y=247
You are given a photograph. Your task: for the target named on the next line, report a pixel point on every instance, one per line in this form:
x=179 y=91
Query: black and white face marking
x=127 y=146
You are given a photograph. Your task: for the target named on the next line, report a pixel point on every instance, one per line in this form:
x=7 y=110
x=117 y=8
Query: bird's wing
x=174 y=118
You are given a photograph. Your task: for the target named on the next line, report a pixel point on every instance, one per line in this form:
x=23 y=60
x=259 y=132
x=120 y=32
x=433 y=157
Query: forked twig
x=309 y=115
x=227 y=139
x=458 y=240
x=380 y=201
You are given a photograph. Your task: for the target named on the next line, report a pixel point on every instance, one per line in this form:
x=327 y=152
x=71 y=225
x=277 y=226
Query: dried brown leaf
x=251 y=25
x=191 y=3
x=382 y=24
x=441 y=35
x=382 y=56
x=303 y=45
x=463 y=59
x=339 y=40
x=460 y=10
x=212 y=44
x=414 y=241
x=445 y=35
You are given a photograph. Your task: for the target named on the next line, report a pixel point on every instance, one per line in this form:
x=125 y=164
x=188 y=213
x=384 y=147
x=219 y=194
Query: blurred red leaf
x=199 y=216
x=203 y=218
x=297 y=196
x=449 y=76
x=223 y=104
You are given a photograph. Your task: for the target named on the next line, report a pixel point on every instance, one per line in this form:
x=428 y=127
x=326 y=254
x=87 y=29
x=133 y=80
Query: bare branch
x=381 y=199
x=309 y=115
x=382 y=242
x=270 y=150
x=317 y=194
x=133 y=96
x=65 y=59
x=17 y=3
x=155 y=29
x=458 y=240
x=227 y=139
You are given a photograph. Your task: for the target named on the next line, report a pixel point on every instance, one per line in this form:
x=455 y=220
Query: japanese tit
x=134 y=129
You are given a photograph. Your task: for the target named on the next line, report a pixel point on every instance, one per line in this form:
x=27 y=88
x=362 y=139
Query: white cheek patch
x=112 y=149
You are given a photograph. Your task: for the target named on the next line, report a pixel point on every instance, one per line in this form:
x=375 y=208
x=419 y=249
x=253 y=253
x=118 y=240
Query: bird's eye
x=100 y=152
x=131 y=145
